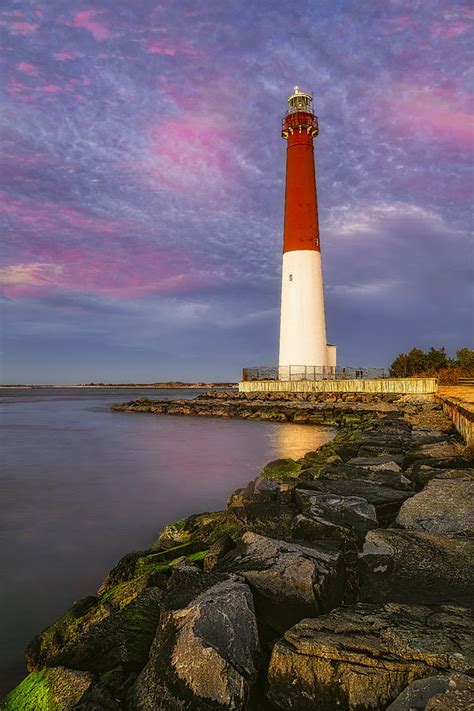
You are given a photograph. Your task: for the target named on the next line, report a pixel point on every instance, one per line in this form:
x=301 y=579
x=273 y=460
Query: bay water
x=81 y=486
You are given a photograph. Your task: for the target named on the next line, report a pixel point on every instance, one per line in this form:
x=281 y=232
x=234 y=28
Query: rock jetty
x=340 y=581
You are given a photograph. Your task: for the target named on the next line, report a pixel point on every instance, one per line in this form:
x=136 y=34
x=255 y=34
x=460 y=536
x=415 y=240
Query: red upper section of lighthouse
x=301 y=208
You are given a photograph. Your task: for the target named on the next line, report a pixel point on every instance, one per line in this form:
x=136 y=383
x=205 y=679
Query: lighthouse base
x=302 y=322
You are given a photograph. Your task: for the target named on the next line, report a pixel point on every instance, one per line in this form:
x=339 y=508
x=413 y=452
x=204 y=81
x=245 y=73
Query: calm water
x=81 y=486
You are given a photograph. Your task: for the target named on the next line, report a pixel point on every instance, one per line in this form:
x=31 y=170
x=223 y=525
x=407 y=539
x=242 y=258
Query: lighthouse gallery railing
x=311 y=372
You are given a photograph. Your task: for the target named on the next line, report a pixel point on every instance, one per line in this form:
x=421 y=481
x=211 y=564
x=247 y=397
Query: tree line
x=435 y=361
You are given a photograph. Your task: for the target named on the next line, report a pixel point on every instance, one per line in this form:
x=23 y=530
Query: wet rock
x=381 y=440
x=333 y=451
x=421 y=436
x=308 y=528
x=415 y=567
x=205 y=655
x=442 y=463
x=289 y=581
x=444 y=506
x=437 y=693
x=123 y=571
x=205 y=528
x=280 y=469
x=102 y=638
x=379 y=450
x=382 y=463
x=437 y=450
x=352 y=512
x=426 y=474
x=264 y=506
x=217 y=551
x=57 y=689
x=363 y=656
x=386 y=501
x=386 y=476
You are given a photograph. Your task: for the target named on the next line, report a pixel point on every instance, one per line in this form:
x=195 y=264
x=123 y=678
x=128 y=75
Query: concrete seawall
x=462 y=415
x=416 y=386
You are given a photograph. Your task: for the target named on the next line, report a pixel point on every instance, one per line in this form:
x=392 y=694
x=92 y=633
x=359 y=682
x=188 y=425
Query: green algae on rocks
x=280 y=469
x=55 y=689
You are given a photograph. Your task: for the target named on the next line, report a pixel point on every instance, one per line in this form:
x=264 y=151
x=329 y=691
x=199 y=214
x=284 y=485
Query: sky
x=143 y=181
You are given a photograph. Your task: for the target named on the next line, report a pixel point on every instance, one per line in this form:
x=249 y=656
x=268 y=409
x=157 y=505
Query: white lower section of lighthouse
x=302 y=321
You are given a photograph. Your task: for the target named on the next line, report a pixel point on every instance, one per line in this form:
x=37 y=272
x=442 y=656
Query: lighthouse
x=304 y=351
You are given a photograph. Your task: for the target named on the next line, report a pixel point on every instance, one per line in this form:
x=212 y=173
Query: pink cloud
x=15 y=87
x=83 y=81
x=86 y=20
x=451 y=30
x=191 y=153
x=48 y=215
x=154 y=48
x=22 y=28
x=18 y=89
x=27 y=68
x=437 y=112
x=168 y=46
x=143 y=271
x=397 y=24
x=24 y=279
x=66 y=56
x=51 y=89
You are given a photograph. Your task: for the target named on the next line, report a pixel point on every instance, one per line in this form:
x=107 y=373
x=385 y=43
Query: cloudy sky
x=143 y=181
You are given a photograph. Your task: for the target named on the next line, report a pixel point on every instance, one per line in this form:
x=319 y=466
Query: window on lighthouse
x=291 y=277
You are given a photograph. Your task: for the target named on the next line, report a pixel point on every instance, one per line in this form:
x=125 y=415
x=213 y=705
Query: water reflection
x=295 y=440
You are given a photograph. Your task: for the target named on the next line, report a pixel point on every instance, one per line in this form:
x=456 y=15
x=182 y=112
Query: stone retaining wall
x=416 y=386
x=462 y=417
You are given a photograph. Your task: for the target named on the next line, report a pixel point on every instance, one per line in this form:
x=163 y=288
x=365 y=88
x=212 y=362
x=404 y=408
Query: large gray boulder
x=382 y=463
x=386 y=500
x=205 y=655
x=289 y=581
x=437 y=693
x=264 y=506
x=351 y=513
x=460 y=462
x=436 y=450
x=360 y=658
x=444 y=506
x=386 y=473
x=426 y=474
x=416 y=567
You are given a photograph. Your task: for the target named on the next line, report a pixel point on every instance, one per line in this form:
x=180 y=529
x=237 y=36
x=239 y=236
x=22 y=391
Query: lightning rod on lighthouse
x=302 y=321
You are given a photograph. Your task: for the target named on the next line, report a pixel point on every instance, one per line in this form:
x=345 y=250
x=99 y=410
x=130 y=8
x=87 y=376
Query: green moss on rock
x=174 y=533
x=57 y=689
x=205 y=529
x=33 y=694
x=200 y=555
x=103 y=637
x=281 y=469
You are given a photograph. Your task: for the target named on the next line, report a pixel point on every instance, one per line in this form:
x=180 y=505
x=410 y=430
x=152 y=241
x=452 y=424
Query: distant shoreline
x=153 y=386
